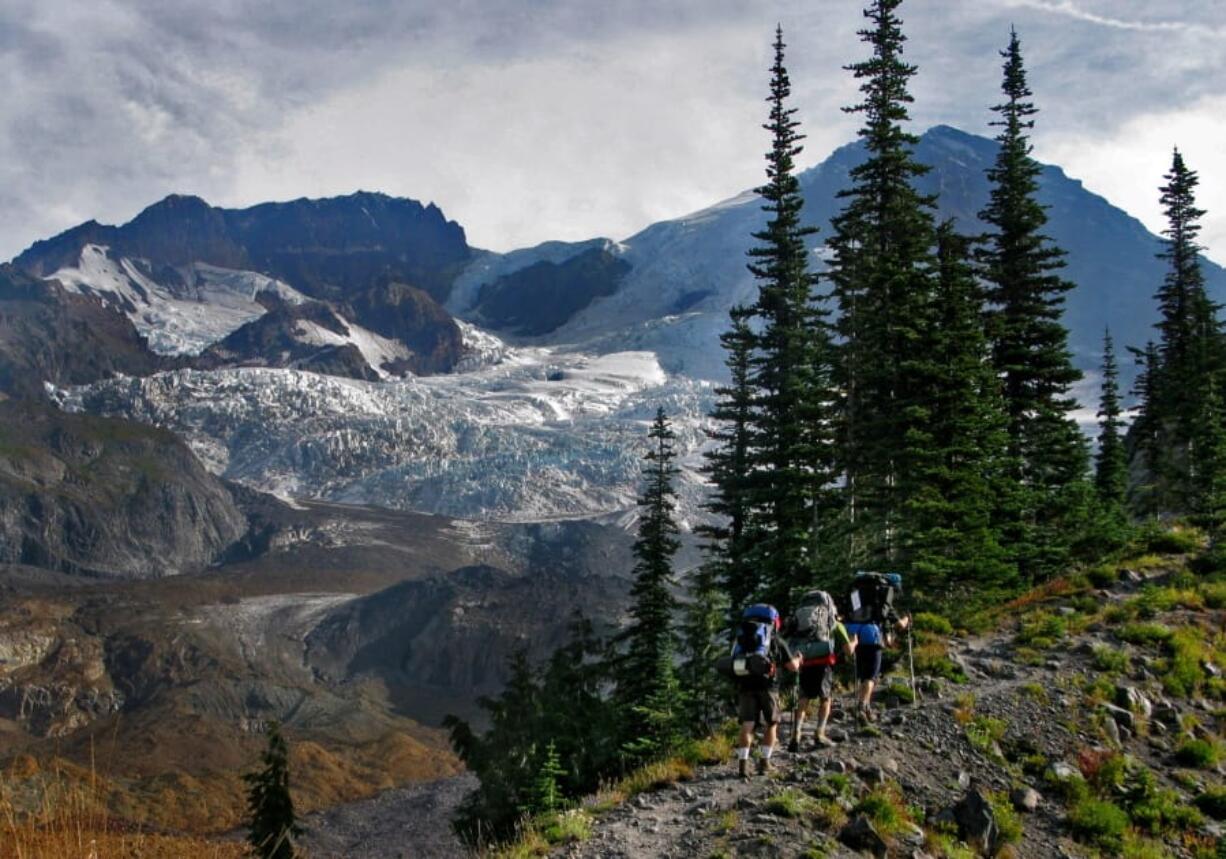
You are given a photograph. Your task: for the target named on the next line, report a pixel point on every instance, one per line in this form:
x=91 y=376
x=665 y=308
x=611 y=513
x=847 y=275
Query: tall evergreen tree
x=791 y=471
x=703 y=639
x=956 y=459
x=1111 y=465
x=647 y=665
x=728 y=466
x=1029 y=340
x=273 y=825
x=1189 y=353
x=881 y=276
x=1144 y=439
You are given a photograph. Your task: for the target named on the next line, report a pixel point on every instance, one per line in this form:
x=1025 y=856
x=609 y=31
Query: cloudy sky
x=556 y=119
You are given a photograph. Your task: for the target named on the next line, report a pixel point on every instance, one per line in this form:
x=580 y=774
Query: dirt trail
x=922 y=748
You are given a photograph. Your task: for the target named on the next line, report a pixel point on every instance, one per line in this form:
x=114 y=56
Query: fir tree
x=956 y=459
x=272 y=826
x=1144 y=438
x=1111 y=465
x=1029 y=340
x=546 y=791
x=1189 y=352
x=791 y=472
x=703 y=632
x=728 y=465
x=647 y=665
x=881 y=276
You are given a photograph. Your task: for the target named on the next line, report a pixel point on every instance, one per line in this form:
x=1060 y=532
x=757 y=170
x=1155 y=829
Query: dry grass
x=60 y=816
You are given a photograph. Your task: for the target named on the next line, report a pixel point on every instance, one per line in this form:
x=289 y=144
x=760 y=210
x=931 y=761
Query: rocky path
x=923 y=749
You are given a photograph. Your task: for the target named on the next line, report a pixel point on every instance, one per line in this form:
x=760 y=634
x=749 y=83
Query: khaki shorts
x=749 y=703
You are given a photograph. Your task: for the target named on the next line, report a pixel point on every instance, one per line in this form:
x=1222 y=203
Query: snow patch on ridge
x=182 y=318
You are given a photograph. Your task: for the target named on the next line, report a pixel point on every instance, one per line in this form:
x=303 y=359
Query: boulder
x=1122 y=717
x=1133 y=699
x=1025 y=799
x=859 y=834
x=977 y=822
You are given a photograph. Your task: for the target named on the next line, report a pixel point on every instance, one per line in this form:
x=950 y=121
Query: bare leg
x=823 y=717
x=798 y=718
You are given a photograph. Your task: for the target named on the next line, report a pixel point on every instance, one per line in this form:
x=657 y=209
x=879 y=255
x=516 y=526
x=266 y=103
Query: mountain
x=684 y=275
x=106 y=498
x=189 y=275
x=48 y=334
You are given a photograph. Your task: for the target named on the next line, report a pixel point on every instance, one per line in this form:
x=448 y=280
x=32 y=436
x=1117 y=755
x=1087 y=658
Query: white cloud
x=553 y=119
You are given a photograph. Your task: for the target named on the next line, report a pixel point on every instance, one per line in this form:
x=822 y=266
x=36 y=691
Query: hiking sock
x=742 y=753
x=767 y=751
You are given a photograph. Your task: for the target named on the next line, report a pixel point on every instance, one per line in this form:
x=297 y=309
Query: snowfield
x=542 y=434
x=182 y=318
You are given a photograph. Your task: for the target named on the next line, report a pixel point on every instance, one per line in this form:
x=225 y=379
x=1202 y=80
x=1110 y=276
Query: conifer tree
x=791 y=470
x=1144 y=437
x=728 y=466
x=273 y=825
x=704 y=624
x=1111 y=466
x=1189 y=352
x=881 y=276
x=956 y=458
x=1029 y=340
x=647 y=665
x=546 y=792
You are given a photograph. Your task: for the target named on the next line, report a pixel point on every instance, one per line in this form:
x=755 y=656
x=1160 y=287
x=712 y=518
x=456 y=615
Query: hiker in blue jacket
x=872 y=625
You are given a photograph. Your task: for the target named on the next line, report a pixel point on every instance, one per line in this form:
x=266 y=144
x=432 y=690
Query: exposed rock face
x=412 y=317
x=442 y=641
x=324 y=248
x=48 y=334
x=541 y=297
x=107 y=498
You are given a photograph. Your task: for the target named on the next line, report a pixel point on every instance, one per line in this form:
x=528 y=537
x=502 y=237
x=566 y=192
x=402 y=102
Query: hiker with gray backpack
x=816 y=633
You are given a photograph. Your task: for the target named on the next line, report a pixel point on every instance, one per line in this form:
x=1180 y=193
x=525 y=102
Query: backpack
x=812 y=624
x=751 y=650
x=871 y=598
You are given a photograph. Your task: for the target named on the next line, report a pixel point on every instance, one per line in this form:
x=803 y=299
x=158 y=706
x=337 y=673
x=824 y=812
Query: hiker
x=872 y=622
x=817 y=634
x=758 y=654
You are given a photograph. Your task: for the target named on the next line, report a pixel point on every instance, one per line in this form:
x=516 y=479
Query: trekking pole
x=911 y=664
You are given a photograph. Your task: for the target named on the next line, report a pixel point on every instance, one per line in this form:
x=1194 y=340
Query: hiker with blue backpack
x=872 y=620
x=759 y=656
x=817 y=635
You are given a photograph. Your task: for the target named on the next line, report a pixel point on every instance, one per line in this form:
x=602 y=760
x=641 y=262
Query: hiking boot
x=743 y=767
x=794 y=746
x=764 y=766
x=821 y=741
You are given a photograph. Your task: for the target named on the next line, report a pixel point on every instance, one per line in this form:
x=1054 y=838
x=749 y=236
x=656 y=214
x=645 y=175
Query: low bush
x=884 y=806
x=1041 y=630
x=1099 y=822
x=1213 y=802
x=1199 y=754
x=791 y=803
x=1008 y=823
x=984 y=732
x=1144 y=633
x=1110 y=659
x=566 y=827
x=933 y=623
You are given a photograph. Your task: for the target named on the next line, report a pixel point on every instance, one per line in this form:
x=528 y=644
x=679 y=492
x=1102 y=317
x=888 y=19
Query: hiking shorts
x=751 y=702
x=868 y=661
x=817 y=681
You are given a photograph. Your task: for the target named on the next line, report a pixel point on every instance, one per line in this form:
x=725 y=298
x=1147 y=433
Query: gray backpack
x=813 y=624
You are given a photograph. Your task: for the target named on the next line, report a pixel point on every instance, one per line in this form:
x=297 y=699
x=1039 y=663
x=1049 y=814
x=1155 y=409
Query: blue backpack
x=755 y=634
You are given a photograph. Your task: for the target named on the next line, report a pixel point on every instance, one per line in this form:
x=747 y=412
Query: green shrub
x=1103 y=576
x=1071 y=790
x=1180 y=541
x=884 y=807
x=1182 y=675
x=984 y=732
x=1214 y=594
x=1200 y=754
x=1213 y=802
x=1009 y=824
x=1042 y=630
x=1099 y=822
x=926 y=621
x=1144 y=633
x=1110 y=659
x=791 y=803
x=567 y=827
